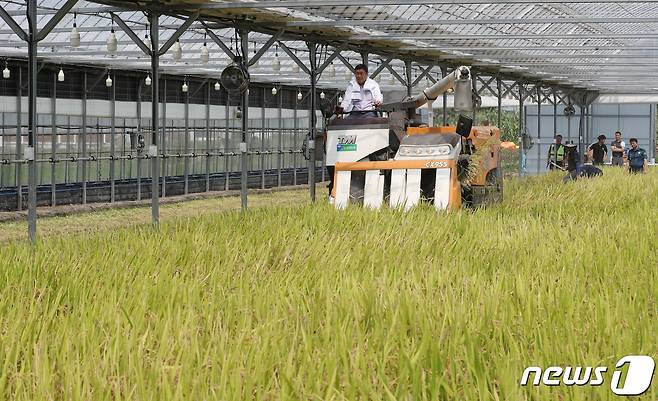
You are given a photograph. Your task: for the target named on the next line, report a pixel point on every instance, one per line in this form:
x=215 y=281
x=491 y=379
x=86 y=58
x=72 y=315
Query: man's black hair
x=361 y=67
x=558 y=136
x=601 y=137
x=633 y=140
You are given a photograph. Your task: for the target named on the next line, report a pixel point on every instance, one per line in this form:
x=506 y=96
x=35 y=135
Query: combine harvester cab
x=447 y=166
x=433 y=164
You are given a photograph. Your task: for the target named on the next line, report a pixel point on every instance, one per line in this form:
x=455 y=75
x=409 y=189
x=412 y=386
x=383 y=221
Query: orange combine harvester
x=400 y=162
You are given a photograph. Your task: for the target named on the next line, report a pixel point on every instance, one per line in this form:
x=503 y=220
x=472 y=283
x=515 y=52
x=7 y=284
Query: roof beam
x=463 y=21
x=54 y=20
x=82 y=11
x=521 y=56
x=381 y=66
x=181 y=29
x=220 y=43
x=329 y=59
x=531 y=48
x=15 y=28
x=264 y=48
x=294 y=58
x=529 y=36
x=339 y=3
x=135 y=39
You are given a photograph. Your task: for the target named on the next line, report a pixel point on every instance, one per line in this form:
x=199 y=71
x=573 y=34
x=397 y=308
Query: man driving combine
x=362 y=95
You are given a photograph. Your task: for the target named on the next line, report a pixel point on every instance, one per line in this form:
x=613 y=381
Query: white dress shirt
x=359 y=97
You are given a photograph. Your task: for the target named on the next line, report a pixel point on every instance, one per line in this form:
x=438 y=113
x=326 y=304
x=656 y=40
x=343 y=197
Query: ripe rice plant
x=310 y=303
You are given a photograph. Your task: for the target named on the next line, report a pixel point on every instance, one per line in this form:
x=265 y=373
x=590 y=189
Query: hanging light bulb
x=274 y=91
x=299 y=95
x=74 y=37
x=322 y=95
x=256 y=63
x=295 y=66
x=217 y=86
x=6 y=74
x=177 y=51
x=205 y=54
x=238 y=113
x=108 y=81
x=392 y=80
x=147 y=80
x=332 y=70
x=147 y=41
x=276 y=64
x=340 y=99
x=112 y=43
x=184 y=88
x=60 y=75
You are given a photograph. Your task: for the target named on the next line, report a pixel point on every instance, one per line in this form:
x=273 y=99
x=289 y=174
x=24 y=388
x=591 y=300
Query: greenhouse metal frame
x=550 y=53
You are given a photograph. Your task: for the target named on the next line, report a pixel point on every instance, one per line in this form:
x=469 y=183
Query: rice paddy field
x=294 y=301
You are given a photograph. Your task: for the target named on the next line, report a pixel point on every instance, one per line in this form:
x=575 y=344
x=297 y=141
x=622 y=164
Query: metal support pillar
x=208 y=136
x=227 y=139
x=522 y=150
x=407 y=69
x=262 y=140
x=581 y=132
x=83 y=140
x=32 y=120
x=138 y=111
x=19 y=139
x=2 y=154
x=500 y=103
x=122 y=166
x=312 y=47
x=155 y=122
x=279 y=160
x=554 y=114
x=444 y=72
x=244 y=44
x=474 y=83
x=186 y=144
x=113 y=130
x=53 y=142
x=538 y=127
x=569 y=122
x=294 y=144
x=163 y=139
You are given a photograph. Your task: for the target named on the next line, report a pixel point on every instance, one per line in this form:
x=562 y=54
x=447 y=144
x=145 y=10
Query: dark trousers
x=617 y=160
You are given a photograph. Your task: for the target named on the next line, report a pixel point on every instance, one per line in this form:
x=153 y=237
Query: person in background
x=575 y=168
x=556 y=154
x=598 y=152
x=618 y=147
x=362 y=95
x=637 y=158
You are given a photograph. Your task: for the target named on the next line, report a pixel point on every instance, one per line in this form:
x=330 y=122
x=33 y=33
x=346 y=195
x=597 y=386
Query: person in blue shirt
x=637 y=158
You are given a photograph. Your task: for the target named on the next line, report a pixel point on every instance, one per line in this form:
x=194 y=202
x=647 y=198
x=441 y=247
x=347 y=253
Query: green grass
x=307 y=303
